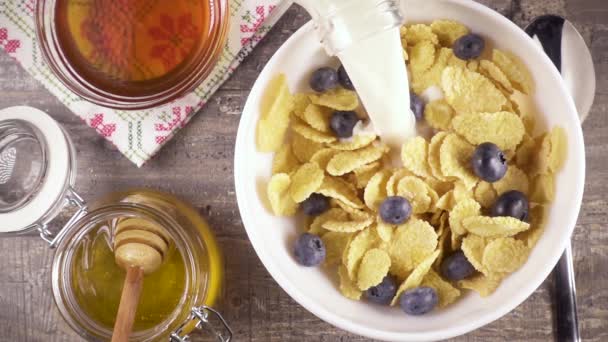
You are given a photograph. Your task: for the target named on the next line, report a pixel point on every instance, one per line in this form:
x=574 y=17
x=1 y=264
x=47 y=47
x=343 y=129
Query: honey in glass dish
x=131 y=54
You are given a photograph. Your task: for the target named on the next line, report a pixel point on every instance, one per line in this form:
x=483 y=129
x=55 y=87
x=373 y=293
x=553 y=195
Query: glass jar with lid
x=131 y=54
x=37 y=174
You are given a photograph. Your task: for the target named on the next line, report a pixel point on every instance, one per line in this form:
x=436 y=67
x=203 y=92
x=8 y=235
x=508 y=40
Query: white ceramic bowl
x=272 y=237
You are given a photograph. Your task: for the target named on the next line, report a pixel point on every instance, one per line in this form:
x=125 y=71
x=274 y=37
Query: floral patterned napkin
x=139 y=134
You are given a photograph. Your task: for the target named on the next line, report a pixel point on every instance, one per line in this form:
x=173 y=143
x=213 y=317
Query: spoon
x=139 y=247
x=567 y=50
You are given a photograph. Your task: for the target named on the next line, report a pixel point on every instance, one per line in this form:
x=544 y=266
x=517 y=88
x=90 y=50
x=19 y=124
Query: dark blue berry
x=309 y=250
x=382 y=293
x=344 y=79
x=419 y=301
x=512 y=203
x=395 y=210
x=315 y=205
x=343 y=122
x=417 y=105
x=324 y=79
x=456 y=266
x=489 y=162
x=469 y=47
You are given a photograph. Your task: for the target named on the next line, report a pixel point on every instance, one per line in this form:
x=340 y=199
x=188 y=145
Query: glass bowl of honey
x=131 y=54
x=37 y=179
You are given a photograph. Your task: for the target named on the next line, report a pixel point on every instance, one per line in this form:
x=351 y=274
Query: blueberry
x=395 y=210
x=343 y=122
x=324 y=79
x=512 y=203
x=469 y=47
x=309 y=250
x=315 y=205
x=456 y=266
x=419 y=301
x=344 y=79
x=382 y=293
x=417 y=106
x=489 y=162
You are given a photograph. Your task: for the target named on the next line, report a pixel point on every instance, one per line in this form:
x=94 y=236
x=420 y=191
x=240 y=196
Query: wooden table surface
x=197 y=166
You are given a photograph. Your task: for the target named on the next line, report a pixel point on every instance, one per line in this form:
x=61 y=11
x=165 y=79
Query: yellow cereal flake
x=278 y=195
x=514 y=179
x=438 y=186
x=461 y=210
x=438 y=114
x=349 y=226
x=484 y=285
x=469 y=92
x=312 y=134
x=335 y=244
x=422 y=56
x=347 y=161
x=420 y=81
x=505 y=255
x=359 y=244
x=514 y=69
x=559 y=149
x=504 y=129
x=355 y=143
x=419 y=33
x=373 y=268
x=454 y=61
x=414 y=156
x=446 y=201
x=415 y=278
x=485 y=194
x=307 y=179
x=277 y=104
x=284 y=160
x=473 y=65
x=473 y=247
x=461 y=192
x=364 y=173
x=543 y=189
x=356 y=214
x=333 y=214
x=322 y=157
x=347 y=286
x=445 y=291
x=494 y=226
x=317 y=117
x=384 y=230
x=338 y=99
x=336 y=188
x=454 y=156
x=412 y=243
x=491 y=70
x=417 y=193
x=301 y=102
x=375 y=191
x=526 y=153
x=393 y=181
x=448 y=31
x=538 y=218
x=433 y=153
x=303 y=148
x=406 y=56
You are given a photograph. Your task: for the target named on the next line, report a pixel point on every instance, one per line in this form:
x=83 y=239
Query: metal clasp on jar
x=206 y=319
x=71 y=198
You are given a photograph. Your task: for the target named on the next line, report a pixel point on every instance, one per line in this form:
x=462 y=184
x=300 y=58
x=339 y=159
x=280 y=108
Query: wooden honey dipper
x=139 y=247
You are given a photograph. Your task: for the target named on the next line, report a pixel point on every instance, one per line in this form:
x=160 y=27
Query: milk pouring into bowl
x=364 y=35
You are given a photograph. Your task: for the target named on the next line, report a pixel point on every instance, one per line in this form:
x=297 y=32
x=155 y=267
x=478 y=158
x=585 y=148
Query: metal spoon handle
x=565 y=293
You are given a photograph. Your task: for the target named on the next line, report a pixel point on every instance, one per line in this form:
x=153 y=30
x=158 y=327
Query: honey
x=96 y=280
x=135 y=47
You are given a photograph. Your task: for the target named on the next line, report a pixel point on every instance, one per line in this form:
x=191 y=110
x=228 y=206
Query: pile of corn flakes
x=450 y=204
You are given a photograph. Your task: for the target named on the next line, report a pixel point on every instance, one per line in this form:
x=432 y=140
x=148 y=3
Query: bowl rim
x=246 y=211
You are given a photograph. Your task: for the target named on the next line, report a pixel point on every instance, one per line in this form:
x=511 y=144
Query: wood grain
x=197 y=166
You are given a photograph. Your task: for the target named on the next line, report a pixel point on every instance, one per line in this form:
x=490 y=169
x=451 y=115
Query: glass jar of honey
x=131 y=54
x=37 y=173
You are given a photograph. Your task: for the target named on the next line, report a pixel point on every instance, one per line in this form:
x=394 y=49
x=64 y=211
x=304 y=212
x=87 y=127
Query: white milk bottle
x=364 y=35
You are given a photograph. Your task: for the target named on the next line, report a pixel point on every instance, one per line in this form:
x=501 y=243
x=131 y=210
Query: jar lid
x=35 y=166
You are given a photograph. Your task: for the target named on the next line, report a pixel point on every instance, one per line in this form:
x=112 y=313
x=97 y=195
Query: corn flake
x=307 y=179
x=335 y=245
x=393 y=181
x=338 y=99
x=375 y=191
x=322 y=157
x=416 y=192
x=317 y=117
x=414 y=156
x=448 y=31
x=417 y=33
x=303 y=148
x=473 y=247
x=415 y=278
x=514 y=69
x=484 y=285
x=347 y=161
x=355 y=143
x=284 y=160
x=333 y=214
x=312 y=134
x=277 y=104
x=336 y=188
x=364 y=173
x=438 y=114
x=278 y=195
x=492 y=71
x=543 y=189
x=461 y=210
x=347 y=287
x=469 y=92
x=501 y=226
x=505 y=255
x=454 y=157
x=373 y=268
x=504 y=129
x=514 y=179
x=360 y=243
x=445 y=291
x=485 y=194
x=422 y=56
x=412 y=243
